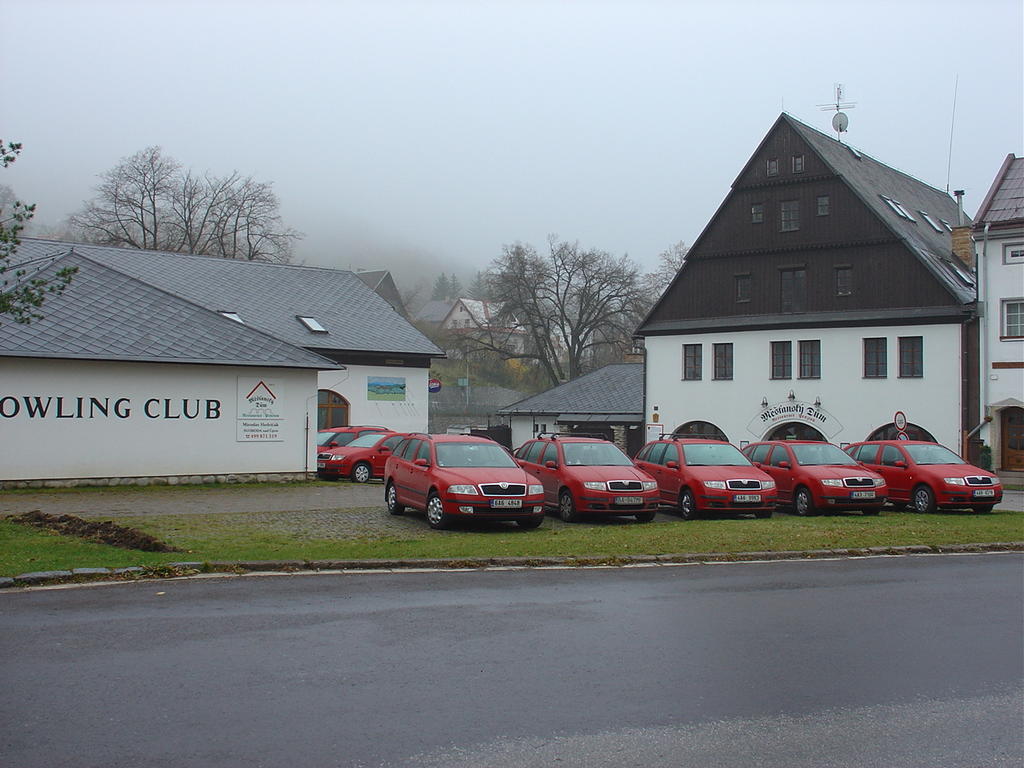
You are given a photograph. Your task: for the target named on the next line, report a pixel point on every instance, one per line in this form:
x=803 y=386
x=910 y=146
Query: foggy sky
x=423 y=136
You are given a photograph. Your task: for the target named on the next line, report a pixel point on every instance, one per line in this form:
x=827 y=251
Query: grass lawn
x=219 y=537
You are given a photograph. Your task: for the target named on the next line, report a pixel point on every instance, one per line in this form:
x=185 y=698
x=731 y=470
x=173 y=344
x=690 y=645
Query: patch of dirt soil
x=103 y=533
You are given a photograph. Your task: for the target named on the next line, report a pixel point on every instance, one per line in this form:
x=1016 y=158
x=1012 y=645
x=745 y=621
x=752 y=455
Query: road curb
x=185 y=569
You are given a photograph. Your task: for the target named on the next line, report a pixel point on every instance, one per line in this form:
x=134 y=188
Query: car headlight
x=954 y=481
x=649 y=485
x=533 y=490
x=879 y=482
x=767 y=485
x=832 y=482
x=719 y=484
x=594 y=486
x=465 y=490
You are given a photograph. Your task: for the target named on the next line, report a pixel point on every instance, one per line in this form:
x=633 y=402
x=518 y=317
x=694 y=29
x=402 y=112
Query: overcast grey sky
x=429 y=134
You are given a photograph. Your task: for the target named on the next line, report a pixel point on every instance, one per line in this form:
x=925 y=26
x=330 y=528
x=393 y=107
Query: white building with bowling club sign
x=159 y=367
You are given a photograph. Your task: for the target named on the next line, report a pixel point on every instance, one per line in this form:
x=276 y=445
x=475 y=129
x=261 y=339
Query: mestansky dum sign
x=259 y=412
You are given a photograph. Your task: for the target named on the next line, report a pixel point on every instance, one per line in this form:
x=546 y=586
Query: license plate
x=628 y=500
x=747 y=497
x=862 y=495
x=984 y=492
x=321 y=464
x=507 y=503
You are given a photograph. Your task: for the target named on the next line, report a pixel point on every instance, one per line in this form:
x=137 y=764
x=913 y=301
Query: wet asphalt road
x=912 y=661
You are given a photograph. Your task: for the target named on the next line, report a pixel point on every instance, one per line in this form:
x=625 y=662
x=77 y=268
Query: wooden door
x=1013 y=439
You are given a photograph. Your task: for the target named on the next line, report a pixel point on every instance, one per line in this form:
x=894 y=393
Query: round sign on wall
x=433 y=385
x=901 y=435
x=900 y=421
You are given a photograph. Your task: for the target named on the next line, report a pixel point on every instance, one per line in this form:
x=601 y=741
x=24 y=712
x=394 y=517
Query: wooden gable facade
x=791 y=209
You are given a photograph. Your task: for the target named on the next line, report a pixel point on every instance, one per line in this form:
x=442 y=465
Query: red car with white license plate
x=361 y=460
x=928 y=476
x=460 y=476
x=814 y=476
x=705 y=477
x=589 y=476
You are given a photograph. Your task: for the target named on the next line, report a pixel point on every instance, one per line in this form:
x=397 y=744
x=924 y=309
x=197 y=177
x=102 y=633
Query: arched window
x=795 y=430
x=702 y=430
x=332 y=410
x=914 y=432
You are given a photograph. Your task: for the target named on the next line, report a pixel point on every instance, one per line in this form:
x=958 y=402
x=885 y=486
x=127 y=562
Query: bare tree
x=670 y=261
x=148 y=201
x=570 y=304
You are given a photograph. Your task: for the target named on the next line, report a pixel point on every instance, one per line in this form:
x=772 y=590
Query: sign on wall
x=794 y=410
x=259 y=411
x=391 y=388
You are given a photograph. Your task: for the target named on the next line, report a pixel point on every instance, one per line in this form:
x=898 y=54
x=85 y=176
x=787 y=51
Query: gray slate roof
x=433 y=311
x=108 y=315
x=267 y=297
x=1004 y=203
x=615 y=389
x=870 y=179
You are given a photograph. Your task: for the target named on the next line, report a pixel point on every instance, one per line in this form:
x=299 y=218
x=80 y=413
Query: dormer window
x=798 y=163
x=772 y=168
x=232 y=316
x=311 y=323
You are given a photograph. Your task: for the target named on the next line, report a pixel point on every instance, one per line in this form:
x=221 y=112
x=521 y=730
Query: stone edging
x=174 y=570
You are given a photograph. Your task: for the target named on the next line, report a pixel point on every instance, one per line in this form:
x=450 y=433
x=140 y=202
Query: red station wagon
x=461 y=476
x=814 y=476
x=927 y=476
x=361 y=460
x=589 y=476
x=707 y=477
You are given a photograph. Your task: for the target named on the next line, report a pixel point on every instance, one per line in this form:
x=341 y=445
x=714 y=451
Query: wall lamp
x=764 y=403
x=817 y=402
x=791 y=395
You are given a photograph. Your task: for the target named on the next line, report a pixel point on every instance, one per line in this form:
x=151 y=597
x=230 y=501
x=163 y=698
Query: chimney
x=963 y=246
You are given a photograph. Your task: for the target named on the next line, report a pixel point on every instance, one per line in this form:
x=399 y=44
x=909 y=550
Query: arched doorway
x=889 y=432
x=701 y=430
x=795 y=430
x=332 y=410
x=1011 y=426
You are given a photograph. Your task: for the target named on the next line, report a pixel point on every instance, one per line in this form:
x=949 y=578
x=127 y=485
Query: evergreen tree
x=454 y=288
x=442 y=288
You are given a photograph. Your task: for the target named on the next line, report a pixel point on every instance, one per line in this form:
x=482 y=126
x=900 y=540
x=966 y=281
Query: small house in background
x=999 y=244
x=607 y=402
x=432 y=314
x=475 y=317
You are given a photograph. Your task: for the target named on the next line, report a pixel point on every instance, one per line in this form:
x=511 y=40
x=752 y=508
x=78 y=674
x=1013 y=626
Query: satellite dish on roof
x=840 y=122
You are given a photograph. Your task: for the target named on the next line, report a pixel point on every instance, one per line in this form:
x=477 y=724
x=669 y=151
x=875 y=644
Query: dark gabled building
x=823 y=296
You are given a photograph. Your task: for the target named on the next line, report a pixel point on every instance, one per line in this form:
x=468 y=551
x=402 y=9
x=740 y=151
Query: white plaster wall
x=522 y=427
x=855 y=404
x=145 y=445
x=409 y=415
x=1002 y=281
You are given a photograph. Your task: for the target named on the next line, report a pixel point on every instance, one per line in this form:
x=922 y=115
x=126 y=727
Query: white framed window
x=898 y=208
x=789 y=215
x=772 y=166
x=1013 y=253
x=1013 y=319
x=232 y=316
x=311 y=323
x=798 y=163
x=931 y=222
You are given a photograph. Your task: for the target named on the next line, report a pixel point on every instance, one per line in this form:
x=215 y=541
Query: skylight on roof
x=931 y=222
x=311 y=323
x=233 y=316
x=898 y=208
x=854 y=152
x=947 y=225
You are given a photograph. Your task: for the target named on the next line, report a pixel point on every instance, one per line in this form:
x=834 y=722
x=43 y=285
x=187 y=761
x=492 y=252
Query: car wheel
x=391 y=499
x=566 y=507
x=687 y=505
x=529 y=523
x=436 y=515
x=924 y=499
x=763 y=513
x=803 y=502
x=361 y=472
x=645 y=517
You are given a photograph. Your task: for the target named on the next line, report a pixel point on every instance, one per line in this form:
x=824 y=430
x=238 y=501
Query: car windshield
x=713 y=455
x=816 y=454
x=338 y=438
x=473 y=455
x=932 y=454
x=594 y=455
x=367 y=440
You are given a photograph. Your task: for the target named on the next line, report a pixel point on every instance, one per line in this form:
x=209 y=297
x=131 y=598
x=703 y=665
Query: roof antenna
x=952 y=122
x=840 y=122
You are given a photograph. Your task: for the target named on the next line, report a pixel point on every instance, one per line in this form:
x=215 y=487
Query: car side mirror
x=331 y=444
x=673 y=465
x=385 y=449
x=421 y=463
x=783 y=465
x=550 y=464
x=758 y=464
x=900 y=463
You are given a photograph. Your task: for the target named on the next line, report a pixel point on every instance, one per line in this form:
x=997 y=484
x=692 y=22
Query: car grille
x=743 y=485
x=510 y=489
x=978 y=480
x=859 y=482
x=624 y=485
